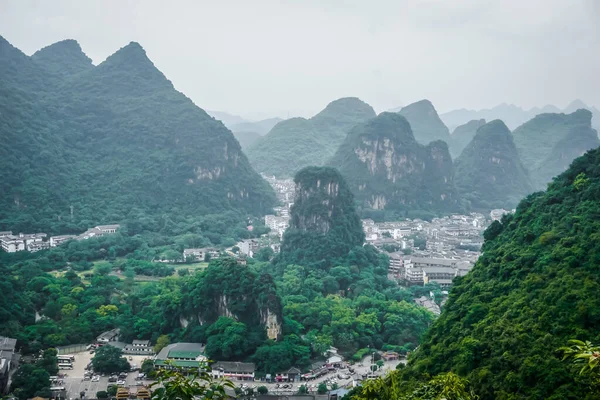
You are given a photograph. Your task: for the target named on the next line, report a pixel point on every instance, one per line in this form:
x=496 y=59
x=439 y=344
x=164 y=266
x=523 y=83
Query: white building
x=22 y=242
x=58 y=240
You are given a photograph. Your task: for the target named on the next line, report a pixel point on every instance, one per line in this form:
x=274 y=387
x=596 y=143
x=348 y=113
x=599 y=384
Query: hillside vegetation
x=298 y=142
x=549 y=142
x=112 y=143
x=489 y=173
x=425 y=122
x=389 y=171
x=535 y=287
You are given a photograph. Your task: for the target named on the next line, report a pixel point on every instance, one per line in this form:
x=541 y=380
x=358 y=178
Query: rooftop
x=180 y=348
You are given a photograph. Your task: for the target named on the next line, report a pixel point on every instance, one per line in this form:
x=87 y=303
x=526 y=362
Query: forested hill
x=324 y=224
x=535 y=287
x=387 y=169
x=63 y=58
x=462 y=136
x=298 y=142
x=425 y=122
x=114 y=142
x=549 y=142
x=489 y=172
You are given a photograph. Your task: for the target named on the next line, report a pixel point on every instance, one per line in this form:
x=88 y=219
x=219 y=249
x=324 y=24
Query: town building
x=233 y=370
x=396 y=267
x=98 y=231
x=8 y=359
x=21 y=242
x=184 y=355
x=291 y=375
x=202 y=254
x=248 y=247
x=58 y=240
x=139 y=347
x=109 y=336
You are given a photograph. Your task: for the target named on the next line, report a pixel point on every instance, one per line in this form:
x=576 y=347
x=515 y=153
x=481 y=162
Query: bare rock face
x=387 y=169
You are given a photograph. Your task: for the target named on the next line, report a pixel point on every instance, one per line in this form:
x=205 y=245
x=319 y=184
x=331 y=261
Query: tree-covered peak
x=489 y=171
x=425 y=122
x=493 y=130
x=535 y=287
x=345 y=107
x=391 y=125
x=130 y=69
x=65 y=58
x=324 y=225
x=462 y=135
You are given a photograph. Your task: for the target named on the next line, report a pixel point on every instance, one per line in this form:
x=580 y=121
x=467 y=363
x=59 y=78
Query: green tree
x=175 y=383
x=262 y=390
x=322 y=388
x=109 y=359
x=102 y=394
x=302 y=389
x=29 y=380
x=111 y=390
x=162 y=342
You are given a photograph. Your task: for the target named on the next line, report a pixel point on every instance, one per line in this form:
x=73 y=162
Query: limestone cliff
x=228 y=289
x=387 y=168
x=323 y=224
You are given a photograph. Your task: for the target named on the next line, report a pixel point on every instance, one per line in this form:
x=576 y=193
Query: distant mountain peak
x=65 y=58
x=425 y=122
x=132 y=70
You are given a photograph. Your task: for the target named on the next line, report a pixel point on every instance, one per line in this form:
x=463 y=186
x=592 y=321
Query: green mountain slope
x=538 y=138
x=387 y=169
x=489 y=172
x=63 y=58
x=246 y=138
x=462 y=136
x=297 y=142
x=261 y=127
x=113 y=142
x=425 y=122
x=323 y=220
x=535 y=286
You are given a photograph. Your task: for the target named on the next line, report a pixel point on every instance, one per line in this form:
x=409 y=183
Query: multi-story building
x=21 y=242
x=139 y=347
x=200 y=254
x=233 y=370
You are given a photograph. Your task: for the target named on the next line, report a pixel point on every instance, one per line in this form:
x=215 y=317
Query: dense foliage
x=297 y=142
x=111 y=143
x=535 y=287
x=387 y=169
x=548 y=143
x=462 y=136
x=425 y=122
x=489 y=172
x=323 y=220
x=109 y=359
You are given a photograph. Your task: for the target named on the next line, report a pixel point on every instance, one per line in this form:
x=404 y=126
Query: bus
x=65 y=366
x=65 y=358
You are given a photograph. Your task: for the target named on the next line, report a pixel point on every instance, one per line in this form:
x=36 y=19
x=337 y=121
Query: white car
x=121 y=383
x=96 y=378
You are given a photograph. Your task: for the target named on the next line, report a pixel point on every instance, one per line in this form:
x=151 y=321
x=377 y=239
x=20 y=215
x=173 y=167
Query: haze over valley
x=312 y=200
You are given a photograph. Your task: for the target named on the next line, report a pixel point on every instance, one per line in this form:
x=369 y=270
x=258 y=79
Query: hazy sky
x=261 y=58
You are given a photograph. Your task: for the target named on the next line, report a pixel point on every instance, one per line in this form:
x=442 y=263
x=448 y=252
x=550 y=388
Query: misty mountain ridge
x=425 y=122
x=110 y=141
x=513 y=115
x=387 y=169
x=296 y=143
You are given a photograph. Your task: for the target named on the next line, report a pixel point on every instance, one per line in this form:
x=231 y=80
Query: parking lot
x=75 y=384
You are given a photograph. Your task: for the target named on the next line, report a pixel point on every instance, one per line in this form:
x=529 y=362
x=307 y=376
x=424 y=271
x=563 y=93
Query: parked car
x=113 y=378
x=121 y=383
x=95 y=378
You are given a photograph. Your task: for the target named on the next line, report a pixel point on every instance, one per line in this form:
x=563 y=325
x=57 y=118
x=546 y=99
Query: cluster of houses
x=423 y=270
x=36 y=241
